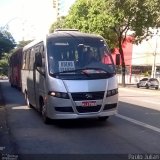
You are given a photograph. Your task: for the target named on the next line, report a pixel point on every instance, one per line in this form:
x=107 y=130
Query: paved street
x=135 y=129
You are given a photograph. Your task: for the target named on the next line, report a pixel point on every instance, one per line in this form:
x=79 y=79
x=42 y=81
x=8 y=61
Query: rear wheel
x=156 y=88
x=103 y=118
x=137 y=85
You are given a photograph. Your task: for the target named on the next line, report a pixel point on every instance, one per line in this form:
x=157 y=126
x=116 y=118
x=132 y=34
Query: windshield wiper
x=97 y=69
x=70 y=71
x=84 y=71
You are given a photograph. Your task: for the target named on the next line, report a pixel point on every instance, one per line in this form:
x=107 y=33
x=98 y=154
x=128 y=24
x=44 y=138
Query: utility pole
x=154 y=60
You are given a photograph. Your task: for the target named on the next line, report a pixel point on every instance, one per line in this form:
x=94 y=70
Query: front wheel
x=46 y=120
x=103 y=118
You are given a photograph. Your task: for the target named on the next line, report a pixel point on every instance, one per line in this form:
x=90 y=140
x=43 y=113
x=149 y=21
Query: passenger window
x=24 y=60
x=40 y=49
x=32 y=59
x=27 y=59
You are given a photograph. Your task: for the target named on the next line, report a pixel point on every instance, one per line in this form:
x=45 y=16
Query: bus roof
x=63 y=33
x=17 y=51
x=72 y=33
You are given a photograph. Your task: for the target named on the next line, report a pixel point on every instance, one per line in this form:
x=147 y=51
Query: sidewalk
x=5 y=140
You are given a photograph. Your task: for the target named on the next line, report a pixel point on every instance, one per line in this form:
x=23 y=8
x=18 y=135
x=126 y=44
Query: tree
x=59 y=24
x=7 y=43
x=114 y=18
x=20 y=44
x=4 y=64
x=90 y=16
x=23 y=43
x=132 y=15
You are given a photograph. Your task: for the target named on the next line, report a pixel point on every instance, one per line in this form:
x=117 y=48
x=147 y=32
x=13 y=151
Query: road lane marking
x=139 y=103
x=145 y=91
x=145 y=125
x=147 y=101
x=124 y=99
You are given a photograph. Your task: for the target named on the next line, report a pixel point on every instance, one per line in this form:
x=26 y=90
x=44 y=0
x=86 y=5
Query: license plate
x=88 y=103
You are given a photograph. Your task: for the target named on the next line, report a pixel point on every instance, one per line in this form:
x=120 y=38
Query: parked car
x=148 y=83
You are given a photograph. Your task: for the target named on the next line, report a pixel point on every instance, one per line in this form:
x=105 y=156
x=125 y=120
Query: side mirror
x=118 y=59
x=38 y=60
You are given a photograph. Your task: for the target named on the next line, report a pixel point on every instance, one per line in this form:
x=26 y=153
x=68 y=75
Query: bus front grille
x=87 y=96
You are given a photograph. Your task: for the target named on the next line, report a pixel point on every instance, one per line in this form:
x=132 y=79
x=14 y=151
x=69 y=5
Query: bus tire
x=46 y=120
x=102 y=119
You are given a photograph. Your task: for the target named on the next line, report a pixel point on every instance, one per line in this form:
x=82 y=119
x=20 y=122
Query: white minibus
x=70 y=75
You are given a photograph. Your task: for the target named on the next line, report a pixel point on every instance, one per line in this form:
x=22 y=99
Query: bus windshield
x=79 y=56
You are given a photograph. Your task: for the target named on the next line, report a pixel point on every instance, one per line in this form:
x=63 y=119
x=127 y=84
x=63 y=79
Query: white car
x=148 y=83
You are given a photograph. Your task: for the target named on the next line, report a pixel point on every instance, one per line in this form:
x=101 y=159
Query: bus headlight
x=112 y=92
x=59 y=94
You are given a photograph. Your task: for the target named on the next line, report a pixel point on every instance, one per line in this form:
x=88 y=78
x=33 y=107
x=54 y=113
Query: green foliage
x=114 y=18
x=23 y=43
x=147 y=74
x=90 y=16
x=133 y=15
x=59 y=24
x=4 y=65
x=7 y=42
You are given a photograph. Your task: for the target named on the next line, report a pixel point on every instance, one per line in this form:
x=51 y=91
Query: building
x=141 y=59
x=61 y=7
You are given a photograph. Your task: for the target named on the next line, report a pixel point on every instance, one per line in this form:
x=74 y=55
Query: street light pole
x=154 y=60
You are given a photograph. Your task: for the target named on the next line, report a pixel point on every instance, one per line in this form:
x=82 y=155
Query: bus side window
x=24 y=60
x=27 y=59
x=32 y=59
x=43 y=55
x=40 y=52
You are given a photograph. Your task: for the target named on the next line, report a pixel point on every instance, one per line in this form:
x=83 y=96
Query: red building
x=127 y=50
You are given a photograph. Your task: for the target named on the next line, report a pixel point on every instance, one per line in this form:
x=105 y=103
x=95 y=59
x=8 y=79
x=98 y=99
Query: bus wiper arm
x=83 y=70
x=97 y=69
x=76 y=70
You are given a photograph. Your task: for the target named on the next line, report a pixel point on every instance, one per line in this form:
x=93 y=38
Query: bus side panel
x=31 y=87
x=24 y=75
x=28 y=85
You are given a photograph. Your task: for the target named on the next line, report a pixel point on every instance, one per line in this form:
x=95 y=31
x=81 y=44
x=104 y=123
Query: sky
x=27 y=19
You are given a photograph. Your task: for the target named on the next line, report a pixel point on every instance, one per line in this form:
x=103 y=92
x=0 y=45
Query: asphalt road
x=135 y=129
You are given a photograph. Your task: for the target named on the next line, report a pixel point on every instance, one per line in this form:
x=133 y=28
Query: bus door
x=39 y=74
x=31 y=79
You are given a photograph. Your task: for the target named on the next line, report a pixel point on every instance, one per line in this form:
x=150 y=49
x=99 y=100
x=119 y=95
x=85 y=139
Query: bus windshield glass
x=79 y=56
